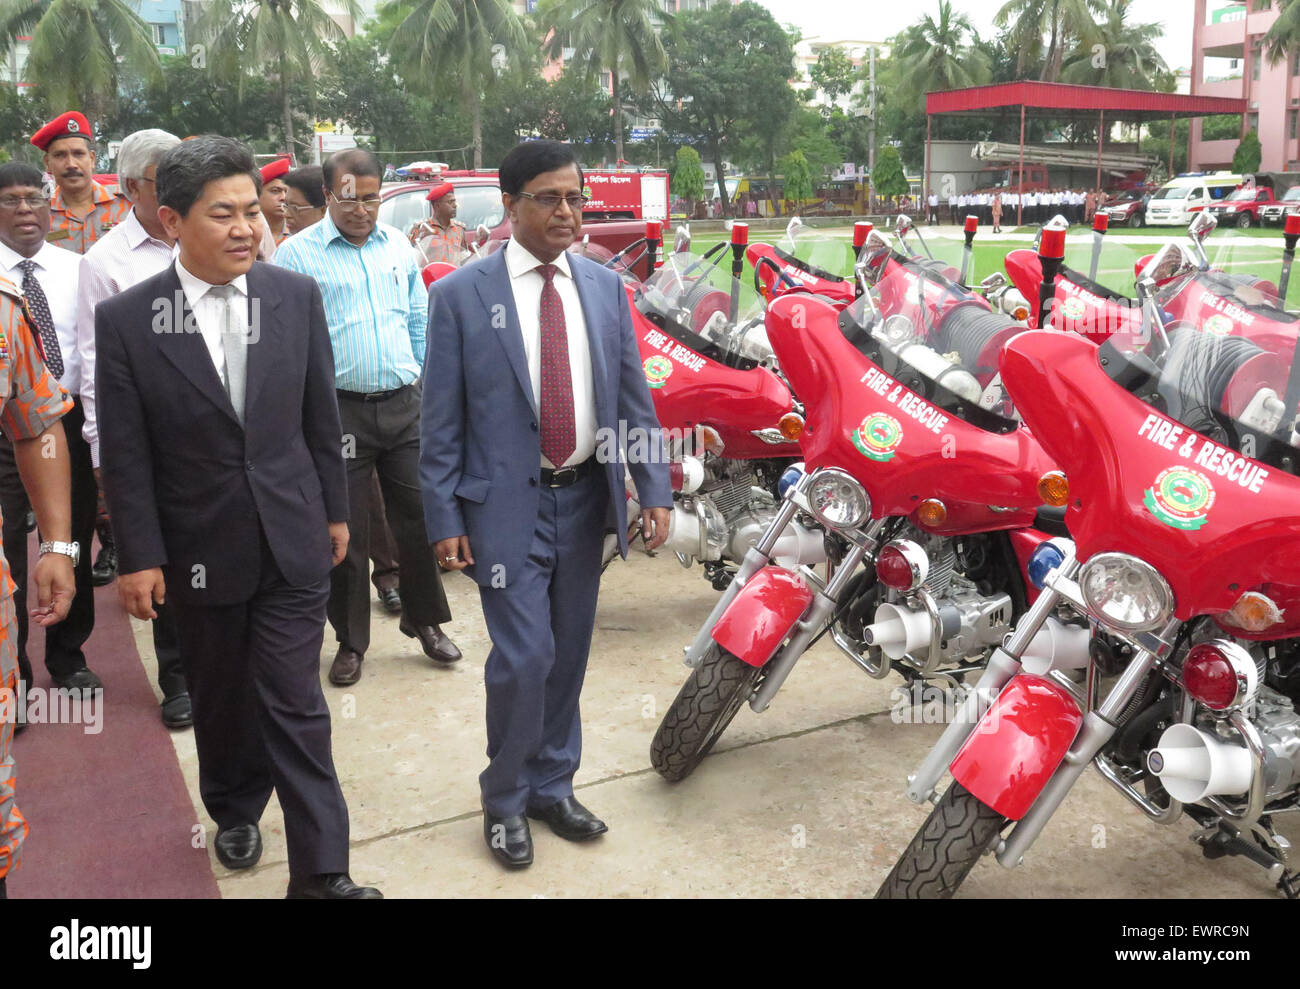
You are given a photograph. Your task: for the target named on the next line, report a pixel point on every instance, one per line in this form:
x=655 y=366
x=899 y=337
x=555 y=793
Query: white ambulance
x=1178 y=200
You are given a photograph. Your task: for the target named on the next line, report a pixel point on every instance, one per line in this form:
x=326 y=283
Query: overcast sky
x=876 y=20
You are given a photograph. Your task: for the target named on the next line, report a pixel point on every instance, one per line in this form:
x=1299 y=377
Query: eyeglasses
x=299 y=209
x=552 y=202
x=37 y=202
x=368 y=204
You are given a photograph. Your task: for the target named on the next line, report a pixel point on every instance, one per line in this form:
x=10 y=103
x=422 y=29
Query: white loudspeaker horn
x=1193 y=765
x=898 y=631
x=1056 y=646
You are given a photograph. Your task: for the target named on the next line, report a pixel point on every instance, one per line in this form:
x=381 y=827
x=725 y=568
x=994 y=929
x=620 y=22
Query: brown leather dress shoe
x=434 y=641
x=347 y=667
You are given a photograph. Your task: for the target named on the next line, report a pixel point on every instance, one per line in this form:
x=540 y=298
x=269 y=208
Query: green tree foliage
x=833 y=74
x=1248 y=155
x=1122 y=54
x=936 y=55
x=79 y=49
x=1284 y=36
x=451 y=45
x=617 y=35
x=1065 y=23
x=688 y=176
x=727 y=81
x=798 y=176
x=888 y=178
x=1225 y=127
x=285 y=39
x=22 y=112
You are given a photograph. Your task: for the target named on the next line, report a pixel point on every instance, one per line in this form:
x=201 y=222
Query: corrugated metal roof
x=1119 y=104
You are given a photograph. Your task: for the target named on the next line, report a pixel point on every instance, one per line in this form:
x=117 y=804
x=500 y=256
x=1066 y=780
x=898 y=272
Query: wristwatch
x=67 y=549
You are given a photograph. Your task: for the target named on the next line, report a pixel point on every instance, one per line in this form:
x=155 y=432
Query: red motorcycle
x=919 y=482
x=1182 y=575
x=727 y=412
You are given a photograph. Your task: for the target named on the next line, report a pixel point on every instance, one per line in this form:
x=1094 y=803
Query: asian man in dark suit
x=534 y=379
x=223 y=469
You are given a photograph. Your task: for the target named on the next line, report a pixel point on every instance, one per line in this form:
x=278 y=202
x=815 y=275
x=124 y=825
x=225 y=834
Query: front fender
x=762 y=614
x=1017 y=745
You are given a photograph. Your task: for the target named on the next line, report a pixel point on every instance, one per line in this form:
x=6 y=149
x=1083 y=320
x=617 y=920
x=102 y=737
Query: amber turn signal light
x=932 y=512
x=790 y=425
x=1054 y=489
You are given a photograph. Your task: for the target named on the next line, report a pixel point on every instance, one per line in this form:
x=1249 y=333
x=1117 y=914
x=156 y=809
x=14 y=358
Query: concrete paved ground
x=803 y=800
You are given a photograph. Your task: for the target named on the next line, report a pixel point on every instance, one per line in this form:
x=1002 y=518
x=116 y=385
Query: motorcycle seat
x=1051 y=520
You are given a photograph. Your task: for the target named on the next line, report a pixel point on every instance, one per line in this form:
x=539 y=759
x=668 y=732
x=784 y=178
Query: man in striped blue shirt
x=377 y=309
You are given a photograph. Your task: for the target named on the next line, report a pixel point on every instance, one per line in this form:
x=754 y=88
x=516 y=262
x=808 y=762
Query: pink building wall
x=1274 y=98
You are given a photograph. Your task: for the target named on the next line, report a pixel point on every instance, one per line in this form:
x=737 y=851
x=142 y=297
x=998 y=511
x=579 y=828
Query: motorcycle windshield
x=1234 y=390
x=691 y=299
x=629 y=265
x=947 y=353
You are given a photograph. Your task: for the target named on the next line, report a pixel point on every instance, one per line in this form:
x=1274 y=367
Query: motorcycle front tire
x=958 y=831
x=701 y=712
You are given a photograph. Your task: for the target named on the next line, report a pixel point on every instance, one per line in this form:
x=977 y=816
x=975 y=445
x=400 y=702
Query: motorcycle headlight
x=837 y=500
x=1126 y=592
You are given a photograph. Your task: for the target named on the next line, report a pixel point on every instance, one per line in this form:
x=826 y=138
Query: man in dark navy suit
x=532 y=368
x=223 y=468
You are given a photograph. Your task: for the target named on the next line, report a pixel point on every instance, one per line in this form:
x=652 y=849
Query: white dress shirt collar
x=135 y=233
x=195 y=287
x=11 y=259
x=520 y=260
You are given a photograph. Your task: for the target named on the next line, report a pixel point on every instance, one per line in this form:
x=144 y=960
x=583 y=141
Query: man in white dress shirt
x=137 y=248
x=47 y=276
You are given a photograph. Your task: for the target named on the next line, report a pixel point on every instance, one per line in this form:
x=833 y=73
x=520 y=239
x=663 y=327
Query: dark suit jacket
x=187 y=486
x=479 y=442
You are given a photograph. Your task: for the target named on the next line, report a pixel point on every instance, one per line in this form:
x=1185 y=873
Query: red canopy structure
x=1063 y=101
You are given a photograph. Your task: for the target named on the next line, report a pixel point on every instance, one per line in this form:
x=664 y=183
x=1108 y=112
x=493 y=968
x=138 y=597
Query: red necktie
x=559 y=436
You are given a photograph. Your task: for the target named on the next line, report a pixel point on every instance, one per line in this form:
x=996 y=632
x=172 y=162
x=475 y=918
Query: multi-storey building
x=1228 y=60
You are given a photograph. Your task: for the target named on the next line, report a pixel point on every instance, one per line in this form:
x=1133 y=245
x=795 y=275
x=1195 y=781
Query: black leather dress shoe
x=434 y=641
x=331 y=886
x=569 y=819
x=390 y=599
x=105 y=568
x=83 y=679
x=176 y=711
x=239 y=847
x=509 y=839
x=346 y=669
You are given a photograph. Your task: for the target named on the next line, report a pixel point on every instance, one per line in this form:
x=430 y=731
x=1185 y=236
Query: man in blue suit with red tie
x=533 y=367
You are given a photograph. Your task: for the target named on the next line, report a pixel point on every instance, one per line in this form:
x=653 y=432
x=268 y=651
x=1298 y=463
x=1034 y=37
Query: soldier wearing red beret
x=440 y=235
x=274 y=190
x=81 y=210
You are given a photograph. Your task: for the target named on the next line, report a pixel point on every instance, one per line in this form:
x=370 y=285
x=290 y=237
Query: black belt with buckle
x=373 y=396
x=565 y=476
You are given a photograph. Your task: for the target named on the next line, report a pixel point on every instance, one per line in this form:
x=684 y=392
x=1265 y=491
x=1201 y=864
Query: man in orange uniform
x=31 y=404
x=81 y=210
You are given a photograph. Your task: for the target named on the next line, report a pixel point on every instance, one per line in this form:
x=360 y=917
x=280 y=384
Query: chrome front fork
x=1003 y=664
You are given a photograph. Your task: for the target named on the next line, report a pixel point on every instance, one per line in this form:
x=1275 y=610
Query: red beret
x=70 y=124
x=438 y=191
x=275 y=169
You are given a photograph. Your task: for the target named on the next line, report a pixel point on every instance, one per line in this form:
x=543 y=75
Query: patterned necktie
x=559 y=436
x=234 y=344
x=39 y=308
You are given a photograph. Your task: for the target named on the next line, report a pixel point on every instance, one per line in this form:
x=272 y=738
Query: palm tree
x=1132 y=61
x=1284 y=36
x=451 y=43
x=1061 y=20
x=285 y=38
x=99 y=32
x=935 y=54
x=618 y=35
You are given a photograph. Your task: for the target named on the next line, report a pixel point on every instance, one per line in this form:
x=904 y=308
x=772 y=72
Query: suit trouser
x=383 y=549
x=540 y=624
x=385 y=439
x=64 y=641
x=260 y=718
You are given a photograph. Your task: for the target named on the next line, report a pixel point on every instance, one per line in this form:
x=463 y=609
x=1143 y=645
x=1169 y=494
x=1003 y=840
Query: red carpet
x=110 y=815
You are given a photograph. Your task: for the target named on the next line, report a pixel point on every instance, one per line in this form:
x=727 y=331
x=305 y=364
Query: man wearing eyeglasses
x=377 y=308
x=536 y=357
x=47 y=277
